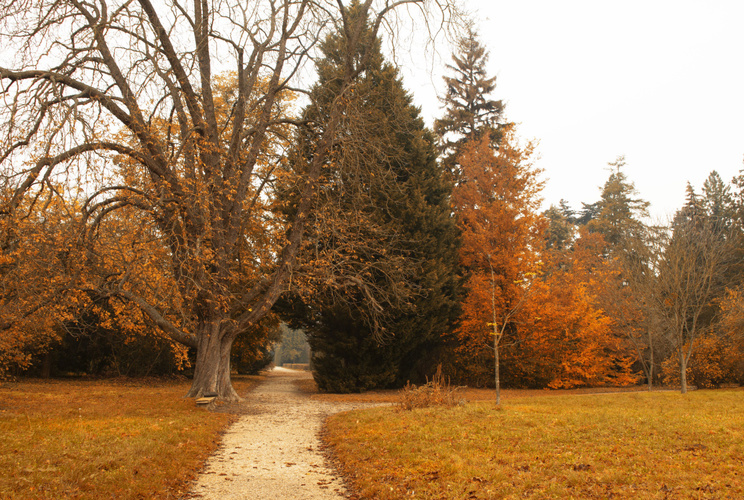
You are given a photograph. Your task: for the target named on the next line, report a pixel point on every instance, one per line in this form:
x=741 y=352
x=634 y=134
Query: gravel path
x=273 y=451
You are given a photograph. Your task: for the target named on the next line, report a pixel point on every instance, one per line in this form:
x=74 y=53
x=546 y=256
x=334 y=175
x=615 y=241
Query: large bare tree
x=690 y=269
x=135 y=87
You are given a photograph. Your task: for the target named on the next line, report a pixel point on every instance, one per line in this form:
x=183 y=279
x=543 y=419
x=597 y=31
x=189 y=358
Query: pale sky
x=661 y=82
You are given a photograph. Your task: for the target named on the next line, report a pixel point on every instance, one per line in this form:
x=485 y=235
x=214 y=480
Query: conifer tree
x=619 y=212
x=383 y=212
x=469 y=112
x=718 y=202
x=560 y=232
x=624 y=268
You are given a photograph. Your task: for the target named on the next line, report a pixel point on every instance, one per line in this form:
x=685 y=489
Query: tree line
x=159 y=216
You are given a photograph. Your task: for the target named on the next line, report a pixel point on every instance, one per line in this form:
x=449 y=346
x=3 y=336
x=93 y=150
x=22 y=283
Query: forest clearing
x=193 y=192
x=134 y=439
x=626 y=445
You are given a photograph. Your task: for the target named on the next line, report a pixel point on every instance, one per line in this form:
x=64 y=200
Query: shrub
x=437 y=392
x=715 y=361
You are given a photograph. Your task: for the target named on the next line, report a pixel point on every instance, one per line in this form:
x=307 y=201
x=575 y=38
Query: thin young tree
x=496 y=203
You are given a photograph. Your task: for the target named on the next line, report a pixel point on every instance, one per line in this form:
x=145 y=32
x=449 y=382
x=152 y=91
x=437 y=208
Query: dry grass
x=308 y=386
x=104 y=439
x=640 y=445
x=436 y=392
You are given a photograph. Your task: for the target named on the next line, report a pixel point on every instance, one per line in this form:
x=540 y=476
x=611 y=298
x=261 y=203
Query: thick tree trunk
x=683 y=371
x=212 y=370
x=224 y=384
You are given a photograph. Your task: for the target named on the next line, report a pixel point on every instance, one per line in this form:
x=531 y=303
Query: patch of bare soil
x=274 y=451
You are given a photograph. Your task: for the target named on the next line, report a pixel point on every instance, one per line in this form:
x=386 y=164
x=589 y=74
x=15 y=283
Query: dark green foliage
x=382 y=240
x=89 y=347
x=619 y=213
x=560 y=232
x=589 y=212
x=347 y=357
x=717 y=202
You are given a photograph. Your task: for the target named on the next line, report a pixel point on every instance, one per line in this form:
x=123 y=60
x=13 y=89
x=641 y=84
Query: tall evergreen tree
x=619 y=213
x=617 y=218
x=469 y=112
x=384 y=211
x=692 y=212
x=718 y=201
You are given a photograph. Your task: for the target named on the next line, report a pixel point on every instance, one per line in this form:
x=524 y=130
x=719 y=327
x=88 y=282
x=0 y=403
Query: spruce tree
x=619 y=213
x=718 y=202
x=693 y=208
x=384 y=217
x=713 y=213
x=469 y=112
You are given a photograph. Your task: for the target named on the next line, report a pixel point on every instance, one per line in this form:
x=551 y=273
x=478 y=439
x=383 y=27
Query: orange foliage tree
x=579 y=332
x=567 y=340
x=53 y=288
x=496 y=203
x=36 y=265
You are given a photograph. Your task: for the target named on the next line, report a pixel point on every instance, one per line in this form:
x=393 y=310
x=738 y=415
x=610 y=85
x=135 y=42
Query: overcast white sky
x=659 y=81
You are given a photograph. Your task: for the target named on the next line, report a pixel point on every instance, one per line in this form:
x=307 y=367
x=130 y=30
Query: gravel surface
x=273 y=451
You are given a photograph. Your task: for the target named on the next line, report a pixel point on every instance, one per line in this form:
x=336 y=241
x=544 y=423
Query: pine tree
x=469 y=112
x=718 y=202
x=619 y=280
x=619 y=213
x=384 y=215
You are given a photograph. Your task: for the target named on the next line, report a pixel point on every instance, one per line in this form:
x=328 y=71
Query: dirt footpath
x=273 y=451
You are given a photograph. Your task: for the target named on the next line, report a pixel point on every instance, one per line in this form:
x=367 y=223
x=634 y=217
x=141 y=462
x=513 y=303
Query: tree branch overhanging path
x=122 y=103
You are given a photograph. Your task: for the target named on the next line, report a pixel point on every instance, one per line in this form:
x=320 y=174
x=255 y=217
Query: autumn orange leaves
x=533 y=308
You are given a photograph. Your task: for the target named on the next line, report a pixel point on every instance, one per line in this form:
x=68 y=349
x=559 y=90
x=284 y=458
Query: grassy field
x=638 y=445
x=308 y=386
x=104 y=439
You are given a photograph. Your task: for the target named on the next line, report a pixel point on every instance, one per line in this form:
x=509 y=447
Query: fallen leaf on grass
x=695 y=447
